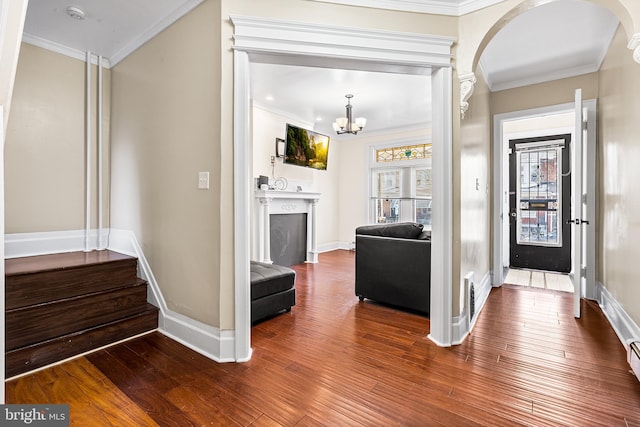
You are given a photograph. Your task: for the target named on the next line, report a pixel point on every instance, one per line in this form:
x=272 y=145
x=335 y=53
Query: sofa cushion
x=402 y=230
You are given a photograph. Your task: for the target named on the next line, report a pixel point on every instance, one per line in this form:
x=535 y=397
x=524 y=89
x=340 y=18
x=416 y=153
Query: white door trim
x=499 y=153
x=283 y=42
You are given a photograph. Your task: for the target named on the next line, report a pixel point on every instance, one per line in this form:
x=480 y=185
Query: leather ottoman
x=272 y=290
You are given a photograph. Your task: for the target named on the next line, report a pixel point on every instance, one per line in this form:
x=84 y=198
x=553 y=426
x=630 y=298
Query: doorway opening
x=255 y=40
x=537 y=249
x=537 y=123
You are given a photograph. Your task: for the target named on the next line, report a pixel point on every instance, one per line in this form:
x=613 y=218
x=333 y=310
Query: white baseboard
x=51 y=242
x=624 y=326
x=205 y=339
x=461 y=325
x=332 y=246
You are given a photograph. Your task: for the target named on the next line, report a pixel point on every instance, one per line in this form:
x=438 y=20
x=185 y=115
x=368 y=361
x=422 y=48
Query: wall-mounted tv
x=306 y=148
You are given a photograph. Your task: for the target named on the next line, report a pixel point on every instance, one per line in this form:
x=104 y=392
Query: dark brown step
x=38 y=355
x=35 y=323
x=37 y=279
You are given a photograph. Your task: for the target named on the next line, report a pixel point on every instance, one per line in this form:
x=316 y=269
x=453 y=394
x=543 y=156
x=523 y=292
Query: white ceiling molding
x=547 y=76
x=63 y=50
x=154 y=30
x=147 y=34
x=436 y=7
x=300 y=121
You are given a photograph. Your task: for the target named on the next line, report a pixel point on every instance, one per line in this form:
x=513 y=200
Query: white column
x=312 y=231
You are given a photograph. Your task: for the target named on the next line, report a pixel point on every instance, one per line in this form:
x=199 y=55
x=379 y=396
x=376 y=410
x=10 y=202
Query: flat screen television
x=306 y=148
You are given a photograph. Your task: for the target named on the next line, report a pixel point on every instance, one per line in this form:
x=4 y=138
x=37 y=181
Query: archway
x=523 y=8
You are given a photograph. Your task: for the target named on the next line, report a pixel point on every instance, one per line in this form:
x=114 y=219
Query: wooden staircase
x=62 y=305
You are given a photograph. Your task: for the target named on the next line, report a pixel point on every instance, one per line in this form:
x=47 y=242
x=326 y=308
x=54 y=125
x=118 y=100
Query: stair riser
x=28 y=358
x=22 y=290
x=29 y=325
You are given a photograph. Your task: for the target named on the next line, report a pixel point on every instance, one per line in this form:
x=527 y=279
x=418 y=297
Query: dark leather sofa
x=393 y=265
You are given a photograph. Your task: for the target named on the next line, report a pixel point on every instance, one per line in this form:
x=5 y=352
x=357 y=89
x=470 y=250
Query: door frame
x=500 y=156
x=284 y=42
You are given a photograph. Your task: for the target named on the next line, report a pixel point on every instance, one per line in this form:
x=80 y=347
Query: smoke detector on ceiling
x=76 y=13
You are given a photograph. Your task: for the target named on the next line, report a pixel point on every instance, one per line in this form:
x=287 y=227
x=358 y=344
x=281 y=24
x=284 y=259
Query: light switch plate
x=203 y=180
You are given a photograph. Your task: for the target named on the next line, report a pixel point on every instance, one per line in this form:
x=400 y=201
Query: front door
x=539 y=202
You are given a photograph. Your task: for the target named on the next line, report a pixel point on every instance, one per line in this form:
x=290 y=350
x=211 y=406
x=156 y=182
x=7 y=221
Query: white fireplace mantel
x=285 y=202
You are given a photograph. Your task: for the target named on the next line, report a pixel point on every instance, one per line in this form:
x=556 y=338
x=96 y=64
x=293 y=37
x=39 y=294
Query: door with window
x=539 y=203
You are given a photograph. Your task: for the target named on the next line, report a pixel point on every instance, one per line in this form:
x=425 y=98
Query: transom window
x=404 y=152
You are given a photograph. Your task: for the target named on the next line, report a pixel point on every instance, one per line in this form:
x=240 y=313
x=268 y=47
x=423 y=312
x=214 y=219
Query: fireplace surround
x=274 y=202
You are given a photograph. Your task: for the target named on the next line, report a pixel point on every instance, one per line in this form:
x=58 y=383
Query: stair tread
x=148 y=309
x=89 y=294
x=24 y=359
x=41 y=263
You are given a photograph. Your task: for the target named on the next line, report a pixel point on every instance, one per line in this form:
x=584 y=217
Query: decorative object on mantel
x=263 y=182
x=278 y=183
x=346 y=124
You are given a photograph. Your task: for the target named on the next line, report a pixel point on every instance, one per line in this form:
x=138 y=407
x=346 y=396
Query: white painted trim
x=49 y=242
x=275 y=41
x=329 y=46
x=133 y=45
x=436 y=7
x=184 y=8
x=498 y=183
x=207 y=340
x=2 y=250
x=125 y=242
x=242 y=195
x=623 y=325
x=62 y=49
x=87 y=150
x=442 y=212
x=546 y=77
x=461 y=327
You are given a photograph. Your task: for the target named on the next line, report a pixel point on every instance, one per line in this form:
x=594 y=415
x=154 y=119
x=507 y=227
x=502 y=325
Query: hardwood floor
x=336 y=361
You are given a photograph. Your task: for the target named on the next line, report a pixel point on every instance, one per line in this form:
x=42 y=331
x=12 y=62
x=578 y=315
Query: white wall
x=354 y=163
x=269 y=125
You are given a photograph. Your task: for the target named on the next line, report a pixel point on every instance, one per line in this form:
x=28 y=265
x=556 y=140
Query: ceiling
x=526 y=51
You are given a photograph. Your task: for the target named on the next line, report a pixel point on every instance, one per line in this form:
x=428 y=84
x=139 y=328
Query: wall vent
x=471 y=298
x=634 y=358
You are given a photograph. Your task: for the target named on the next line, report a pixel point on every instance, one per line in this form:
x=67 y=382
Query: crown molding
x=546 y=77
x=62 y=49
x=435 y=7
x=154 y=30
x=134 y=44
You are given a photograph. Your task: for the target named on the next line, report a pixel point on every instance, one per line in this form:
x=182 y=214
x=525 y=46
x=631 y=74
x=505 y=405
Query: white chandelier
x=346 y=124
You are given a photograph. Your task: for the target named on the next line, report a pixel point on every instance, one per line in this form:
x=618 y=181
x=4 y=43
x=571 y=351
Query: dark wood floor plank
x=335 y=361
